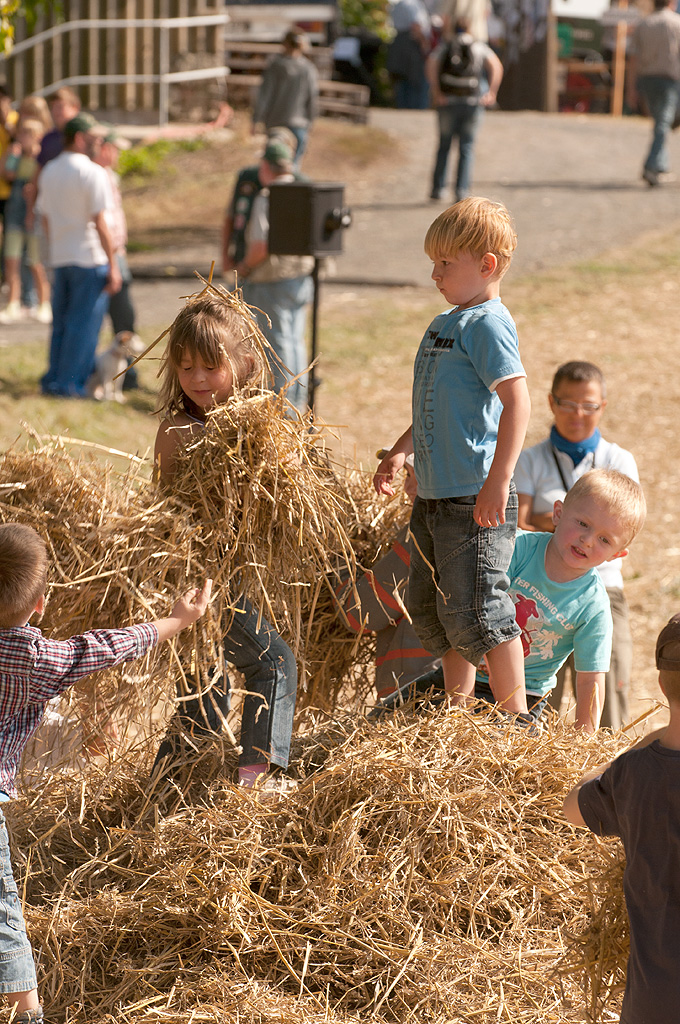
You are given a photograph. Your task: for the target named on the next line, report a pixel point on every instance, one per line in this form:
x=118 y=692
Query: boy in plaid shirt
x=33 y=670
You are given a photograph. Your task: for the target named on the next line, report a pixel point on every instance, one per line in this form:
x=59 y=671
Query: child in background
x=470 y=413
x=5 y=143
x=637 y=797
x=20 y=167
x=561 y=604
x=32 y=671
x=544 y=474
x=210 y=356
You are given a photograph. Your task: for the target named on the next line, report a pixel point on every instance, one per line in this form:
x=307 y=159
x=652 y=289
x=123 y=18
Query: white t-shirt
x=536 y=474
x=71 y=192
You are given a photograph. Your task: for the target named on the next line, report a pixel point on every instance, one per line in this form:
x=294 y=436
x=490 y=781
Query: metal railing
x=163 y=78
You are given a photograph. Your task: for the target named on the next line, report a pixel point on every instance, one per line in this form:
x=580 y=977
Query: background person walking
x=464 y=76
x=654 y=78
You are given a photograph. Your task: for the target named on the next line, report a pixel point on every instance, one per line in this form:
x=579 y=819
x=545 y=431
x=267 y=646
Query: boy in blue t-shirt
x=470 y=413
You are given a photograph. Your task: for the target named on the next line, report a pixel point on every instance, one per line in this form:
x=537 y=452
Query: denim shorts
x=17 y=969
x=458 y=585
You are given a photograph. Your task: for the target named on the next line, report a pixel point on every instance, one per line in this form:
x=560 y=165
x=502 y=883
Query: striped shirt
x=33 y=670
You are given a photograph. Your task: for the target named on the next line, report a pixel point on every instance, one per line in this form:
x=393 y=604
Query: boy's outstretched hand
x=187 y=610
x=193 y=604
x=387 y=471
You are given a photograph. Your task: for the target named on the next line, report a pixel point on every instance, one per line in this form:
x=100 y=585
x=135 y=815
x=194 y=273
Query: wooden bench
x=336 y=99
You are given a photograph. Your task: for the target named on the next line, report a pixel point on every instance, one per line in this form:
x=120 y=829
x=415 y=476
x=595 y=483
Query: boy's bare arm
x=570 y=807
x=512 y=427
x=393 y=462
x=589 y=700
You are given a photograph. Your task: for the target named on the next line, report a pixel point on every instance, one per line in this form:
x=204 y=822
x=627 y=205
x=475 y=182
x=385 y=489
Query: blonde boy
x=33 y=670
x=637 y=797
x=470 y=413
x=561 y=602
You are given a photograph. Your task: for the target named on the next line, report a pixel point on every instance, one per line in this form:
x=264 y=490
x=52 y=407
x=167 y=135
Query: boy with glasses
x=543 y=475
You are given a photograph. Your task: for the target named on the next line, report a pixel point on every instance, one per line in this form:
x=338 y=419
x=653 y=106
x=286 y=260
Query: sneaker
x=435 y=195
x=11 y=314
x=43 y=314
x=651 y=177
x=276 y=786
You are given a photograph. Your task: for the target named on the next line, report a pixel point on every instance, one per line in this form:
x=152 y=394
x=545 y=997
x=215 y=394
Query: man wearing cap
x=280 y=287
x=637 y=797
x=73 y=194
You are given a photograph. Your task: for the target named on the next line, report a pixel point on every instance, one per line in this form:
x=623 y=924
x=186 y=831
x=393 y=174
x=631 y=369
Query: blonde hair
x=619 y=494
x=23 y=573
x=473 y=225
x=34 y=108
x=220 y=334
x=31 y=127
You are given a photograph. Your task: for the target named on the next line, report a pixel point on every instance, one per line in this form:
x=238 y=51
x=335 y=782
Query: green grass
x=149 y=161
x=130 y=427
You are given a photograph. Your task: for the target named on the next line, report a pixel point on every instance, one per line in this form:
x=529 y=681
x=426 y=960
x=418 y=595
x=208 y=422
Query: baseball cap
x=83 y=122
x=668 y=646
x=117 y=140
x=277 y=153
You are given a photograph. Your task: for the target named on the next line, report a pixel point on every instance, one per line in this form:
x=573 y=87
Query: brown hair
x=619 y=494
x=23 y=573
x=579 y=372
x=66 y=95
x=218 y=333
x=475 y=225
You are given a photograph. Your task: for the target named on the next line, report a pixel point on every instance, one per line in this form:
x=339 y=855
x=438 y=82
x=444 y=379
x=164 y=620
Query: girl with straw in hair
x=212 y=355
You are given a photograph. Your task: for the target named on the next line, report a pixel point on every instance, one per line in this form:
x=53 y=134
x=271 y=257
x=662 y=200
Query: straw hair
x=219 y=332
x=579 y=372
x=620 y=495
x=23 y=573
x=474 y=225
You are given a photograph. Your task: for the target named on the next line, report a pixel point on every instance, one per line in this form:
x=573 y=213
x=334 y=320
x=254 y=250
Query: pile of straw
x=424 y=874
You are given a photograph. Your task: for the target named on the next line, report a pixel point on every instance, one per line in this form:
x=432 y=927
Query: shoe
x=11 y=314
x=43 y=313
x=435 y=195
x=276 y=786
x=651 y=177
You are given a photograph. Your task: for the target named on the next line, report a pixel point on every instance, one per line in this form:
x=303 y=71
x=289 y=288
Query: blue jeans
x=78 y=306
x=661 y=97
x=301 y=136
x=458 y=584
x=17 y=970
x=285 y=303
x=270 y=672
x=459 y=120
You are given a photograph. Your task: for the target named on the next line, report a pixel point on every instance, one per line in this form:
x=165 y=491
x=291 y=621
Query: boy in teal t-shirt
x=561 y=604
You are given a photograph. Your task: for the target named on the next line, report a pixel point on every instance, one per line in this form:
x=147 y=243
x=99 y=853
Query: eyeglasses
x=586 y=407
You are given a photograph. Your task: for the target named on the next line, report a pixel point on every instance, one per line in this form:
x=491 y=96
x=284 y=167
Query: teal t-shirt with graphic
x=556 y=618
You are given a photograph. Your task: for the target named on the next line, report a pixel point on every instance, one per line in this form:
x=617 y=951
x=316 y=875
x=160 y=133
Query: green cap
x=83 y=122
x=278 y=154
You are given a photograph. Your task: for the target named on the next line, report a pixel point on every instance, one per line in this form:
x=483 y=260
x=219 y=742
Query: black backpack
x=459 y=71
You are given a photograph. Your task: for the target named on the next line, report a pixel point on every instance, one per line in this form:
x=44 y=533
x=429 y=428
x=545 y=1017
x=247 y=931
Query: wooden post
x=147 y=56
x=132 y=61
x=619 y=69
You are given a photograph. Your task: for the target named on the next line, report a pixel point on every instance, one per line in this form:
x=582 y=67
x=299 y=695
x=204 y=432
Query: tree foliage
x=14 y=11
x=369 y=14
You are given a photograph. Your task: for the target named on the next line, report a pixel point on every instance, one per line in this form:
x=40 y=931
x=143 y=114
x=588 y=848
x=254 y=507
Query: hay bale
x=425 y=874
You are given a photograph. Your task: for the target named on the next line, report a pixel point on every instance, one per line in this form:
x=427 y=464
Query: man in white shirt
x=73 y=194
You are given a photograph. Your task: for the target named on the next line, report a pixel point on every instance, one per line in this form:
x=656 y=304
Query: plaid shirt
x=33 y=670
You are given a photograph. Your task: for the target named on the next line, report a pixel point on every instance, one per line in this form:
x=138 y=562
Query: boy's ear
x=619 y=554
x=558 y=508
x=40 y=607
x=489 y=264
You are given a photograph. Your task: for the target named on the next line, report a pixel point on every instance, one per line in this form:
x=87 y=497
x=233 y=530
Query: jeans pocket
x=11 y=904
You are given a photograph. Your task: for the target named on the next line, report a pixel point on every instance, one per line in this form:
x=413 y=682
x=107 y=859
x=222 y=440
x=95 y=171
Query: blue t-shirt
x=456 y=410
x=556 y=618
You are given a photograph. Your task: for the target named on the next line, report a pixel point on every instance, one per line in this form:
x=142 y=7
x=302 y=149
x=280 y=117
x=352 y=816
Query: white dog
x=110 y=363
